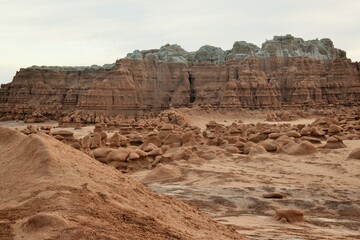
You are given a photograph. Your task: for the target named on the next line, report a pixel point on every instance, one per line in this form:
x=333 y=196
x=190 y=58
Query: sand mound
x=49 y=187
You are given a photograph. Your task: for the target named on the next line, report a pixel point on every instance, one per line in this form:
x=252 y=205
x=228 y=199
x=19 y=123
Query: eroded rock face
x=284 y=72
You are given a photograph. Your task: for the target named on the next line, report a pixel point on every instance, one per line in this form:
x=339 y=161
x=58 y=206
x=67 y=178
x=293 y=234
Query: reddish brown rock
x=285 y=72
x=273 y=195
x=289 y=215
x=303 y=148
x=355 y=154
x=334 y=143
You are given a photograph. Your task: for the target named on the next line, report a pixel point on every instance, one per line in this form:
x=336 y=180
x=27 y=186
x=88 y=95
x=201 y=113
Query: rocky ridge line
x=284 y=72
x=279 y=46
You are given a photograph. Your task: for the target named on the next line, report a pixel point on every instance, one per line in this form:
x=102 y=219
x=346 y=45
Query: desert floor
x=325 y=186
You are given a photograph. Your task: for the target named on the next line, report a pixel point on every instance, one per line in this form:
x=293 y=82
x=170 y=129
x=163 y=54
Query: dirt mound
x=50 y=190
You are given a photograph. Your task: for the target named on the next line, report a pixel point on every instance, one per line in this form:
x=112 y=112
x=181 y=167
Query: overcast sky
x=86 y=32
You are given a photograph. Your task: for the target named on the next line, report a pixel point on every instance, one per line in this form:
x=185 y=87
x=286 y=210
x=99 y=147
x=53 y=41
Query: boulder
x=303 y=148
x=232 y=149
x=270 y=145
x=178 y=154
x=120 y=155
x=273 y=195
x=293 y=134
x=355 y=154
x=258 y=137
x=334 y=129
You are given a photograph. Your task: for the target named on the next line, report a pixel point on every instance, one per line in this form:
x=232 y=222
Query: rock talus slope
x=285 y=72
x=51 y=191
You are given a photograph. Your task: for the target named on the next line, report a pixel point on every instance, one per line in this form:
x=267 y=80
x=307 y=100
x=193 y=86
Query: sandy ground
x=201 y=117
x=20 y=125
x=325 y=186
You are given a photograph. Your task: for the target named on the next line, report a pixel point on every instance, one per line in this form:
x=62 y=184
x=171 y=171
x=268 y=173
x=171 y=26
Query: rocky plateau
x=285 y=72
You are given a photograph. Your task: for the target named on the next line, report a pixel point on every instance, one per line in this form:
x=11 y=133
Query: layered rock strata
x=284 y=72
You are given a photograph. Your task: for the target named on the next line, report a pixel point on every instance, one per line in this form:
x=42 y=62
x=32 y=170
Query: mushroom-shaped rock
x=86 y=142
x=114 y=140
x=135 y=139
x=95 y=141
x=334 y=129
x=69 y=136
x=334 y=143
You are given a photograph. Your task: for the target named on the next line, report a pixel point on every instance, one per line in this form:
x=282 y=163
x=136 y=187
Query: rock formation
x=285 y=72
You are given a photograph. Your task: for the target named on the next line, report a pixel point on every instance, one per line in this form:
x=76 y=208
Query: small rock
x=273 y=195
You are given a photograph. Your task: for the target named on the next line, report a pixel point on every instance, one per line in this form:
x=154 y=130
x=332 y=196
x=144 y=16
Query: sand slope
x=51 y=191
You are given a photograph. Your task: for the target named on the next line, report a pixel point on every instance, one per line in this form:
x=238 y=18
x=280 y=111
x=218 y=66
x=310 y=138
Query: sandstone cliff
x=285 y=72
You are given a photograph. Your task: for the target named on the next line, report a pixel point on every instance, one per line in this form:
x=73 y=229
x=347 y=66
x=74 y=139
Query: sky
x=87 y=32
